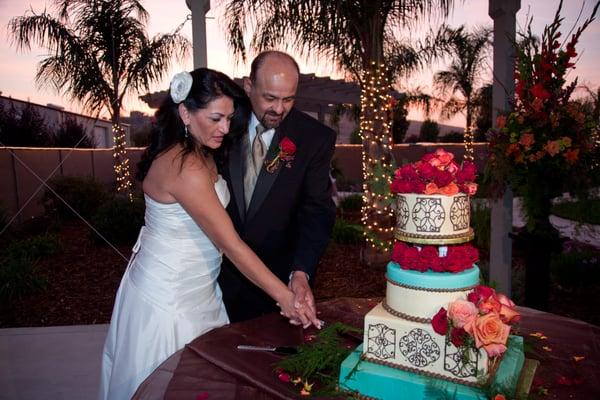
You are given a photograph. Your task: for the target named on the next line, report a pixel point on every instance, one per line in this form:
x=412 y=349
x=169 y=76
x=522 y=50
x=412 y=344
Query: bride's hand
x=296 y=315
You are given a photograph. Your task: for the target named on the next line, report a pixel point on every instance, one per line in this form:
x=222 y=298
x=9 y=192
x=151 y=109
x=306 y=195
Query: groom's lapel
x=265 y=179
x=236 y=173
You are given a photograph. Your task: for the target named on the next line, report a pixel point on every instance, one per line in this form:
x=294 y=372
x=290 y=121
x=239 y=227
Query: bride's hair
x=207 y=85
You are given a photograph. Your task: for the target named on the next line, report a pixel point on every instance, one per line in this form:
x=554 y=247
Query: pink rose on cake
x=462 y=312
x=435 y=173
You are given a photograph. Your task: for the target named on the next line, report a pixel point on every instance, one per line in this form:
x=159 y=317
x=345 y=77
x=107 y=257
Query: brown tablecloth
x=211 y=367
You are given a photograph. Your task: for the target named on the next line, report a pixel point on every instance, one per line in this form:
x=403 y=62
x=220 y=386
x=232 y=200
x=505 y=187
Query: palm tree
x=360 y=37
x=98 y=54
x=468 y=51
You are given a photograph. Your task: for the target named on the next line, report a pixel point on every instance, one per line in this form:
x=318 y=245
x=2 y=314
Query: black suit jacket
x=290 y=217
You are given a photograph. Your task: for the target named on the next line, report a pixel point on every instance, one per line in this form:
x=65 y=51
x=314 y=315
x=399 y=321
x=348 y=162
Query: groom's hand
x=303 y=296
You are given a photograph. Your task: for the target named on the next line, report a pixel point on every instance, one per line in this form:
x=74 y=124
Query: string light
x=595 y=138
x=121 y=162
x=469 y=138
x=376 y=215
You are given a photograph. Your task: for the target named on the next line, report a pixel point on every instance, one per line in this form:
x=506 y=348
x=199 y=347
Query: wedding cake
x=437 y=330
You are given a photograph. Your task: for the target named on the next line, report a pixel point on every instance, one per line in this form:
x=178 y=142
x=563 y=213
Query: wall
x=23 y=170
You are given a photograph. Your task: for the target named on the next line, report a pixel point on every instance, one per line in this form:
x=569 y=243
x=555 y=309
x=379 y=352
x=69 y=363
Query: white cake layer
x=420 y=303
x=433 y=216
x=414 y=346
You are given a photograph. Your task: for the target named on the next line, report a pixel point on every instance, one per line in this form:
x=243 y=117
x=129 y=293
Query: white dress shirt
x=267 y=135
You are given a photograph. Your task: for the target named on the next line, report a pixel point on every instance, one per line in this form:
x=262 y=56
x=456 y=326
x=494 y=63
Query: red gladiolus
x=539 y=91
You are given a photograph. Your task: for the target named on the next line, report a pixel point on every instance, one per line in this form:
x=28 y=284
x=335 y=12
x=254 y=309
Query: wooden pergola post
x=503 y=12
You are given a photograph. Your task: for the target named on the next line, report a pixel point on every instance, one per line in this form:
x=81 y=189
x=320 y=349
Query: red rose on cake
x=436 y=173
x=423 y=258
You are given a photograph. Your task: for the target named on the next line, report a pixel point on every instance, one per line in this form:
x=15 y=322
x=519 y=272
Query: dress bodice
x=173 y=256
x=172 y=222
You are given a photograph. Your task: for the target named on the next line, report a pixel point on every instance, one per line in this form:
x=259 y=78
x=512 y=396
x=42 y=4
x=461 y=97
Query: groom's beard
x=271 y=119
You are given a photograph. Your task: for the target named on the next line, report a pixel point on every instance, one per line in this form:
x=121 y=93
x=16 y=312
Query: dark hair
x=261 y=58
x=207 y=85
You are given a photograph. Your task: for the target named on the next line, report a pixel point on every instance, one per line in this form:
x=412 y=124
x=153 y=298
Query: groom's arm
x=316 y=214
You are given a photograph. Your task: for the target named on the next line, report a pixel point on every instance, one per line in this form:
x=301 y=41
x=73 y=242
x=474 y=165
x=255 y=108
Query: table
x=211 y=368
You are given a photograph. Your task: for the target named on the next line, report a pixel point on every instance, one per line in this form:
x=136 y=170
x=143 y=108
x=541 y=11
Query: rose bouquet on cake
x=482 y=320
x=437 y=259
x=436 y=173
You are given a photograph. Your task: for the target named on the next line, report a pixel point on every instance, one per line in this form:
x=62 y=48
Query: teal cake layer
x=387 y=383
x=433 y=280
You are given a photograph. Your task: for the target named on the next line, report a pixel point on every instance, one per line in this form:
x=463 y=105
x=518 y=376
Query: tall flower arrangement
x=544 y=146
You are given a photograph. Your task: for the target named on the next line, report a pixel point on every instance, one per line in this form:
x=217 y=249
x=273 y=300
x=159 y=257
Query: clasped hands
x=299 y=305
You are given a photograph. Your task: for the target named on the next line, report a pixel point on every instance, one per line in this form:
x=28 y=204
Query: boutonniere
x=287 y=149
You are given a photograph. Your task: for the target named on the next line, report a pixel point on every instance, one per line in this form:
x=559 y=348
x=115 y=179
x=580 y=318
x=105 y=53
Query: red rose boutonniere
x=287 y=149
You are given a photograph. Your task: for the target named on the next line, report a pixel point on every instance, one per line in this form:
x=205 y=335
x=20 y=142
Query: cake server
x=273 y=349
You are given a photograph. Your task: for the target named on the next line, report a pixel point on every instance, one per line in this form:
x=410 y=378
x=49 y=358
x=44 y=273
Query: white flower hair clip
x=181 y=84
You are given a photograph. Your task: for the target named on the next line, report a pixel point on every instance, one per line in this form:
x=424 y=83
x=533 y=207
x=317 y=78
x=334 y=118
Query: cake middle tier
x=418 y=296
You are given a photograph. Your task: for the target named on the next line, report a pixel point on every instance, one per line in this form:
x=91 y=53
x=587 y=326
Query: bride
x=169 y=293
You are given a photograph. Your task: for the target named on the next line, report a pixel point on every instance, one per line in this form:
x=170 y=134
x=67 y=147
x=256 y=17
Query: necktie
x=254 y=163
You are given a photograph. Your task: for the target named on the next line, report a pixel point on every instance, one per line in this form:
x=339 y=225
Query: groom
x=278 y=175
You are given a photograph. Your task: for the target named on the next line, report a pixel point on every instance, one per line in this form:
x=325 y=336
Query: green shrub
x=18 y=266
x=352 y=203
x=345 y=233
x=429 y=131
x=355 y=136
x=576 y=269
x=118 y=221
x=586 y=211
x=453 y=137
x=481 y=222
x=35 y=247
x=83 y=194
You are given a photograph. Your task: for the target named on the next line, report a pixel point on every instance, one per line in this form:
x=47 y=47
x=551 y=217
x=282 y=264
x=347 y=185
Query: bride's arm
x=194 y=190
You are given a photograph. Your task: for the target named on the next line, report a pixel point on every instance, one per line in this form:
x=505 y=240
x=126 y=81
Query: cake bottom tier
x=386 y=383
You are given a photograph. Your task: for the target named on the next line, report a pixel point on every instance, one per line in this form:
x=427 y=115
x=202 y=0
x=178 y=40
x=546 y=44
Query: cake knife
x=273 y=349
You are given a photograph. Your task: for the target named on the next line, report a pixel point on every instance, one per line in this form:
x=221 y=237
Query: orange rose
x=471 y=188
x=499 y=397
x=552 y=147
x=449 y=190
x=508 y=313
x=431 y=188
x=527 y=139
x=490 y=333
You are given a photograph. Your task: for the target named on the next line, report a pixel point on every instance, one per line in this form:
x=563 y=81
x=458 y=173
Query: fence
x=22 y=170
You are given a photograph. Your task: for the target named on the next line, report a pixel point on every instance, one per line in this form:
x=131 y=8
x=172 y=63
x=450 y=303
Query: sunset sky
x=17 y=68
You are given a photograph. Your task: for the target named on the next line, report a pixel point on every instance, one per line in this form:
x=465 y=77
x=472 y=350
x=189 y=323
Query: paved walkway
x=53 y=363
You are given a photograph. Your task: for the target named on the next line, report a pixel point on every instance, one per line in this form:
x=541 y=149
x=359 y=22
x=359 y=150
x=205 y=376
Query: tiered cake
x=437 y=328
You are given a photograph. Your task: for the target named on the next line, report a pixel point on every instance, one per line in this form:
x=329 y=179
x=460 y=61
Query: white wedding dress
x=168 y=296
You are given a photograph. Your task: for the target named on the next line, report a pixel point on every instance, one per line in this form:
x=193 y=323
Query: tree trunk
x=121 y=162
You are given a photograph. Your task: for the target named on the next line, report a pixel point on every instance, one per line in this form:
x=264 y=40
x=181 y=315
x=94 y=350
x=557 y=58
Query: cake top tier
x=436 y=173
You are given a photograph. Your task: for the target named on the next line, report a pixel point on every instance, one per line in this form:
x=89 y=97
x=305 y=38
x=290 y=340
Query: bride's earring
x=187 y=134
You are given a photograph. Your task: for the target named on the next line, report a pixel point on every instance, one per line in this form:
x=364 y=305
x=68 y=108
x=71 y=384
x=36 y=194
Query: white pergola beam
x=503 y=12
x=199 y=9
